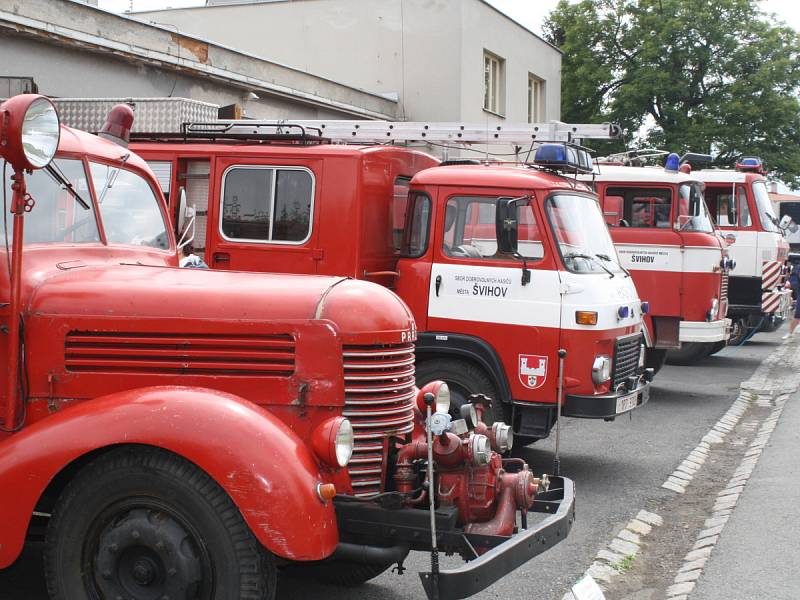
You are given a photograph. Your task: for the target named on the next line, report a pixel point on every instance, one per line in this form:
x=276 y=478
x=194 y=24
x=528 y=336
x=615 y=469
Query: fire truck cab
x=184 y=433
x=664 y=235
x=502 y=266
x=740 y=204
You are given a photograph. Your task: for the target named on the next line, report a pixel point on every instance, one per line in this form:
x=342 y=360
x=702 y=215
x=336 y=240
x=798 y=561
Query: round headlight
x=441 y=395
x=443 y=399
x=40 y=133
x=333 y=441
x=344 y=443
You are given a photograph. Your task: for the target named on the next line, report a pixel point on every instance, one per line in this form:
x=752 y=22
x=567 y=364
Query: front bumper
x=368 y=523
x=776 y=302
x=705 y=331
x=509 y=553
x=608 y=405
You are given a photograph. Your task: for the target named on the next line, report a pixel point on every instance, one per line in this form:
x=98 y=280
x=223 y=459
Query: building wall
x=484 y=28
x=69 y=73
x=72 y=49
x=428 y=52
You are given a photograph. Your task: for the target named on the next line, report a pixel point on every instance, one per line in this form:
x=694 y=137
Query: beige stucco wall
x=429 y=52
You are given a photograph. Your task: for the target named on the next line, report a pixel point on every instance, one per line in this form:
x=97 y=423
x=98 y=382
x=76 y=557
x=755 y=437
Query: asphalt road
x=618 y=469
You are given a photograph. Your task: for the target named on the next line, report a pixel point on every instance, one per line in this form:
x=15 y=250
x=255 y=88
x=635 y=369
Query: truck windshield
x=692 y=210
x=582 y=235
x=58 y=216
x=129 y=208
x=764 y=205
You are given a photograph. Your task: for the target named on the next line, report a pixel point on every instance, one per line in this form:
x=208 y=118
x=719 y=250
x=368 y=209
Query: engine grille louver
x=379 y=401
x=168 y=353
x=626 y=359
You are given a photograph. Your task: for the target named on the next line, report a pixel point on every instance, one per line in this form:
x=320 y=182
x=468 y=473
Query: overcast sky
x=530 y=13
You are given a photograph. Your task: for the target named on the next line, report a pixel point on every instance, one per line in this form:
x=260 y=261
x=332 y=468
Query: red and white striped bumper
x=772 y=273
x=776 y=302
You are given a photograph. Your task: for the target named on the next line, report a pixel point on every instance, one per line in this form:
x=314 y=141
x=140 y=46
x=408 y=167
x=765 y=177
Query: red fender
x=266 y=469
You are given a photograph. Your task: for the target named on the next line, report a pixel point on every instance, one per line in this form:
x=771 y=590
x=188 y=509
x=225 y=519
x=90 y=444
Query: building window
x=267 y=204
x=535 y=99
x=493 y=83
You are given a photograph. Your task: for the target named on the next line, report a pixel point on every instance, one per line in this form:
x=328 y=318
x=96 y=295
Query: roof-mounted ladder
x=382 y=132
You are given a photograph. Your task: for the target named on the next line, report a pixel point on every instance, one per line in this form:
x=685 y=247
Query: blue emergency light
x=563 y=157
x=750 y=163
x=623 y=312
x=673 y=163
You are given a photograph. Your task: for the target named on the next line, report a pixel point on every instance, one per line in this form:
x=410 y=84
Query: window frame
x=412 y=196
x=536 y=109
x=492 y=91
x=642 y=187
x=157 y=195
x=274 y=168
x=458 y=196
x=548 y=201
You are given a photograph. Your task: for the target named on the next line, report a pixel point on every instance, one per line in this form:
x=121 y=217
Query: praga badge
x=532 y=370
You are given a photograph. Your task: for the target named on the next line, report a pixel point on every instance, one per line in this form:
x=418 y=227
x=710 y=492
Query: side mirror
x=732 y=217
x=507 y=224
x=506 y=229
x=186 y=220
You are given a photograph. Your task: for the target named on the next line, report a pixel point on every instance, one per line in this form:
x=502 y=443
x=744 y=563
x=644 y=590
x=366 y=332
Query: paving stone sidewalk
x=757 y=555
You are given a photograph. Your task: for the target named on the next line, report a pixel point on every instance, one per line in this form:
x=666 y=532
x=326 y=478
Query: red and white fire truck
x=666 y=238
x=502 y=266
x=179 y=433
x=739 y=201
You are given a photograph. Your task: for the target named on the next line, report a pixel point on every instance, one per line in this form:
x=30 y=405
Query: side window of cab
x=270 y=205
x=639 y=207
x=470 y=229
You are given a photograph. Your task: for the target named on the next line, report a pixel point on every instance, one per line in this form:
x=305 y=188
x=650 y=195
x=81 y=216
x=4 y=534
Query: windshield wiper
x=111 y=180
x=607 y=258
x=591 y=258
x=58 y=176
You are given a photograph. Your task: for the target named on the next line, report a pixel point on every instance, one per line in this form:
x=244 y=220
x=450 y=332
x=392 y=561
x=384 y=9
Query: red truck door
x=264 y=220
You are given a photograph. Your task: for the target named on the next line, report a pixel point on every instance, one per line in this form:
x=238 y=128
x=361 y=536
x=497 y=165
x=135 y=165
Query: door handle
x=438 y=284
x=221 y=257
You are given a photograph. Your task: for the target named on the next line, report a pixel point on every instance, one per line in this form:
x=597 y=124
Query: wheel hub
x=146 y=554
x=144 y=571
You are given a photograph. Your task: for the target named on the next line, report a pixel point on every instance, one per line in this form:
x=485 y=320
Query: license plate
x=627 y=402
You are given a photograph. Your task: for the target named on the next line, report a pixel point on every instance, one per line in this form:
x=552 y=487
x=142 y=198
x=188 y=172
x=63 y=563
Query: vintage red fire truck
x=666 y=238
x=492 y=312
x=184 y=433
x=739 y=201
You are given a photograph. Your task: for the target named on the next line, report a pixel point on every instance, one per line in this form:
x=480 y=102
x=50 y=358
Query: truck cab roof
x=639 y=174
x=496 y=176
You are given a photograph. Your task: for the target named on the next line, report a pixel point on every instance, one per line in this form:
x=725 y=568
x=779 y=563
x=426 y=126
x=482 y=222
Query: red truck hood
x=131 y=292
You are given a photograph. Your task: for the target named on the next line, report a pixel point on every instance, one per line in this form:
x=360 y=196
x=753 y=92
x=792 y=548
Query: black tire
x=717 y=346
x=464 y=378
x=143 y=523
x=739 y=331
x=335 y=572
x=689 y=353
x=654 y=358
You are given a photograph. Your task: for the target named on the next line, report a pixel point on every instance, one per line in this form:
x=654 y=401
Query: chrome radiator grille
x=723 y=291
x=379 y=401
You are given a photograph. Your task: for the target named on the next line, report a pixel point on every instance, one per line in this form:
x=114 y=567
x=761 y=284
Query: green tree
x=714 y=76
